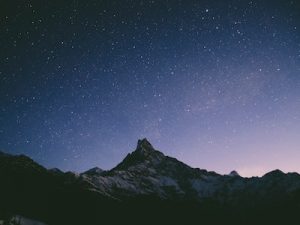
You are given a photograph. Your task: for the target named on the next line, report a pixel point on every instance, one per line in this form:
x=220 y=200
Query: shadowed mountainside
x=147 y=187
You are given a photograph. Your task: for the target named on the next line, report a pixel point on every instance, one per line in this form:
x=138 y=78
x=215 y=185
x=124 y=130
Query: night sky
x=215 y=84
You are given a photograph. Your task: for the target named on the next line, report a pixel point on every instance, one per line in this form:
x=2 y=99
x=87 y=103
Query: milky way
x=215 y=84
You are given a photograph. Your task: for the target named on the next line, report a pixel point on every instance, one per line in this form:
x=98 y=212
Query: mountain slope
x=30 y=190
x=146 y=184
x=147 y=171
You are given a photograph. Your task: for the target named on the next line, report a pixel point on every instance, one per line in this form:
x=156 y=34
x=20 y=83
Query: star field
x=215 y=84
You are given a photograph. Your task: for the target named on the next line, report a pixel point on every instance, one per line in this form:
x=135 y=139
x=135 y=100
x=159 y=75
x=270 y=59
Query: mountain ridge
x=146 y=180
x=233 y=172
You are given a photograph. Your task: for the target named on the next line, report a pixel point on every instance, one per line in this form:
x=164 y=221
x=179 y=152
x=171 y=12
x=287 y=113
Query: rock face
x=145 y=181
x=147 y=171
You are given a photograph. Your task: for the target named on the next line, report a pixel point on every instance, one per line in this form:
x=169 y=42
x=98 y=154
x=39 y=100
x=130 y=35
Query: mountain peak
x=234 y=174
x=144 y=144
x=144 y=153
x=94 y=171
x=274 y=173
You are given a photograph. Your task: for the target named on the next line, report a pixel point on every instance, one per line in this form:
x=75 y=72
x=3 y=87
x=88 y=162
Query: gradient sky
x=215 y=84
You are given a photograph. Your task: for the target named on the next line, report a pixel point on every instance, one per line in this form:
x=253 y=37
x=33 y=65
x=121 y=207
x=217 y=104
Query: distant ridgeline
x=147 y=187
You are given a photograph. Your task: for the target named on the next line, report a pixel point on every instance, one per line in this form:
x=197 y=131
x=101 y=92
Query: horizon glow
x=214 y=84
